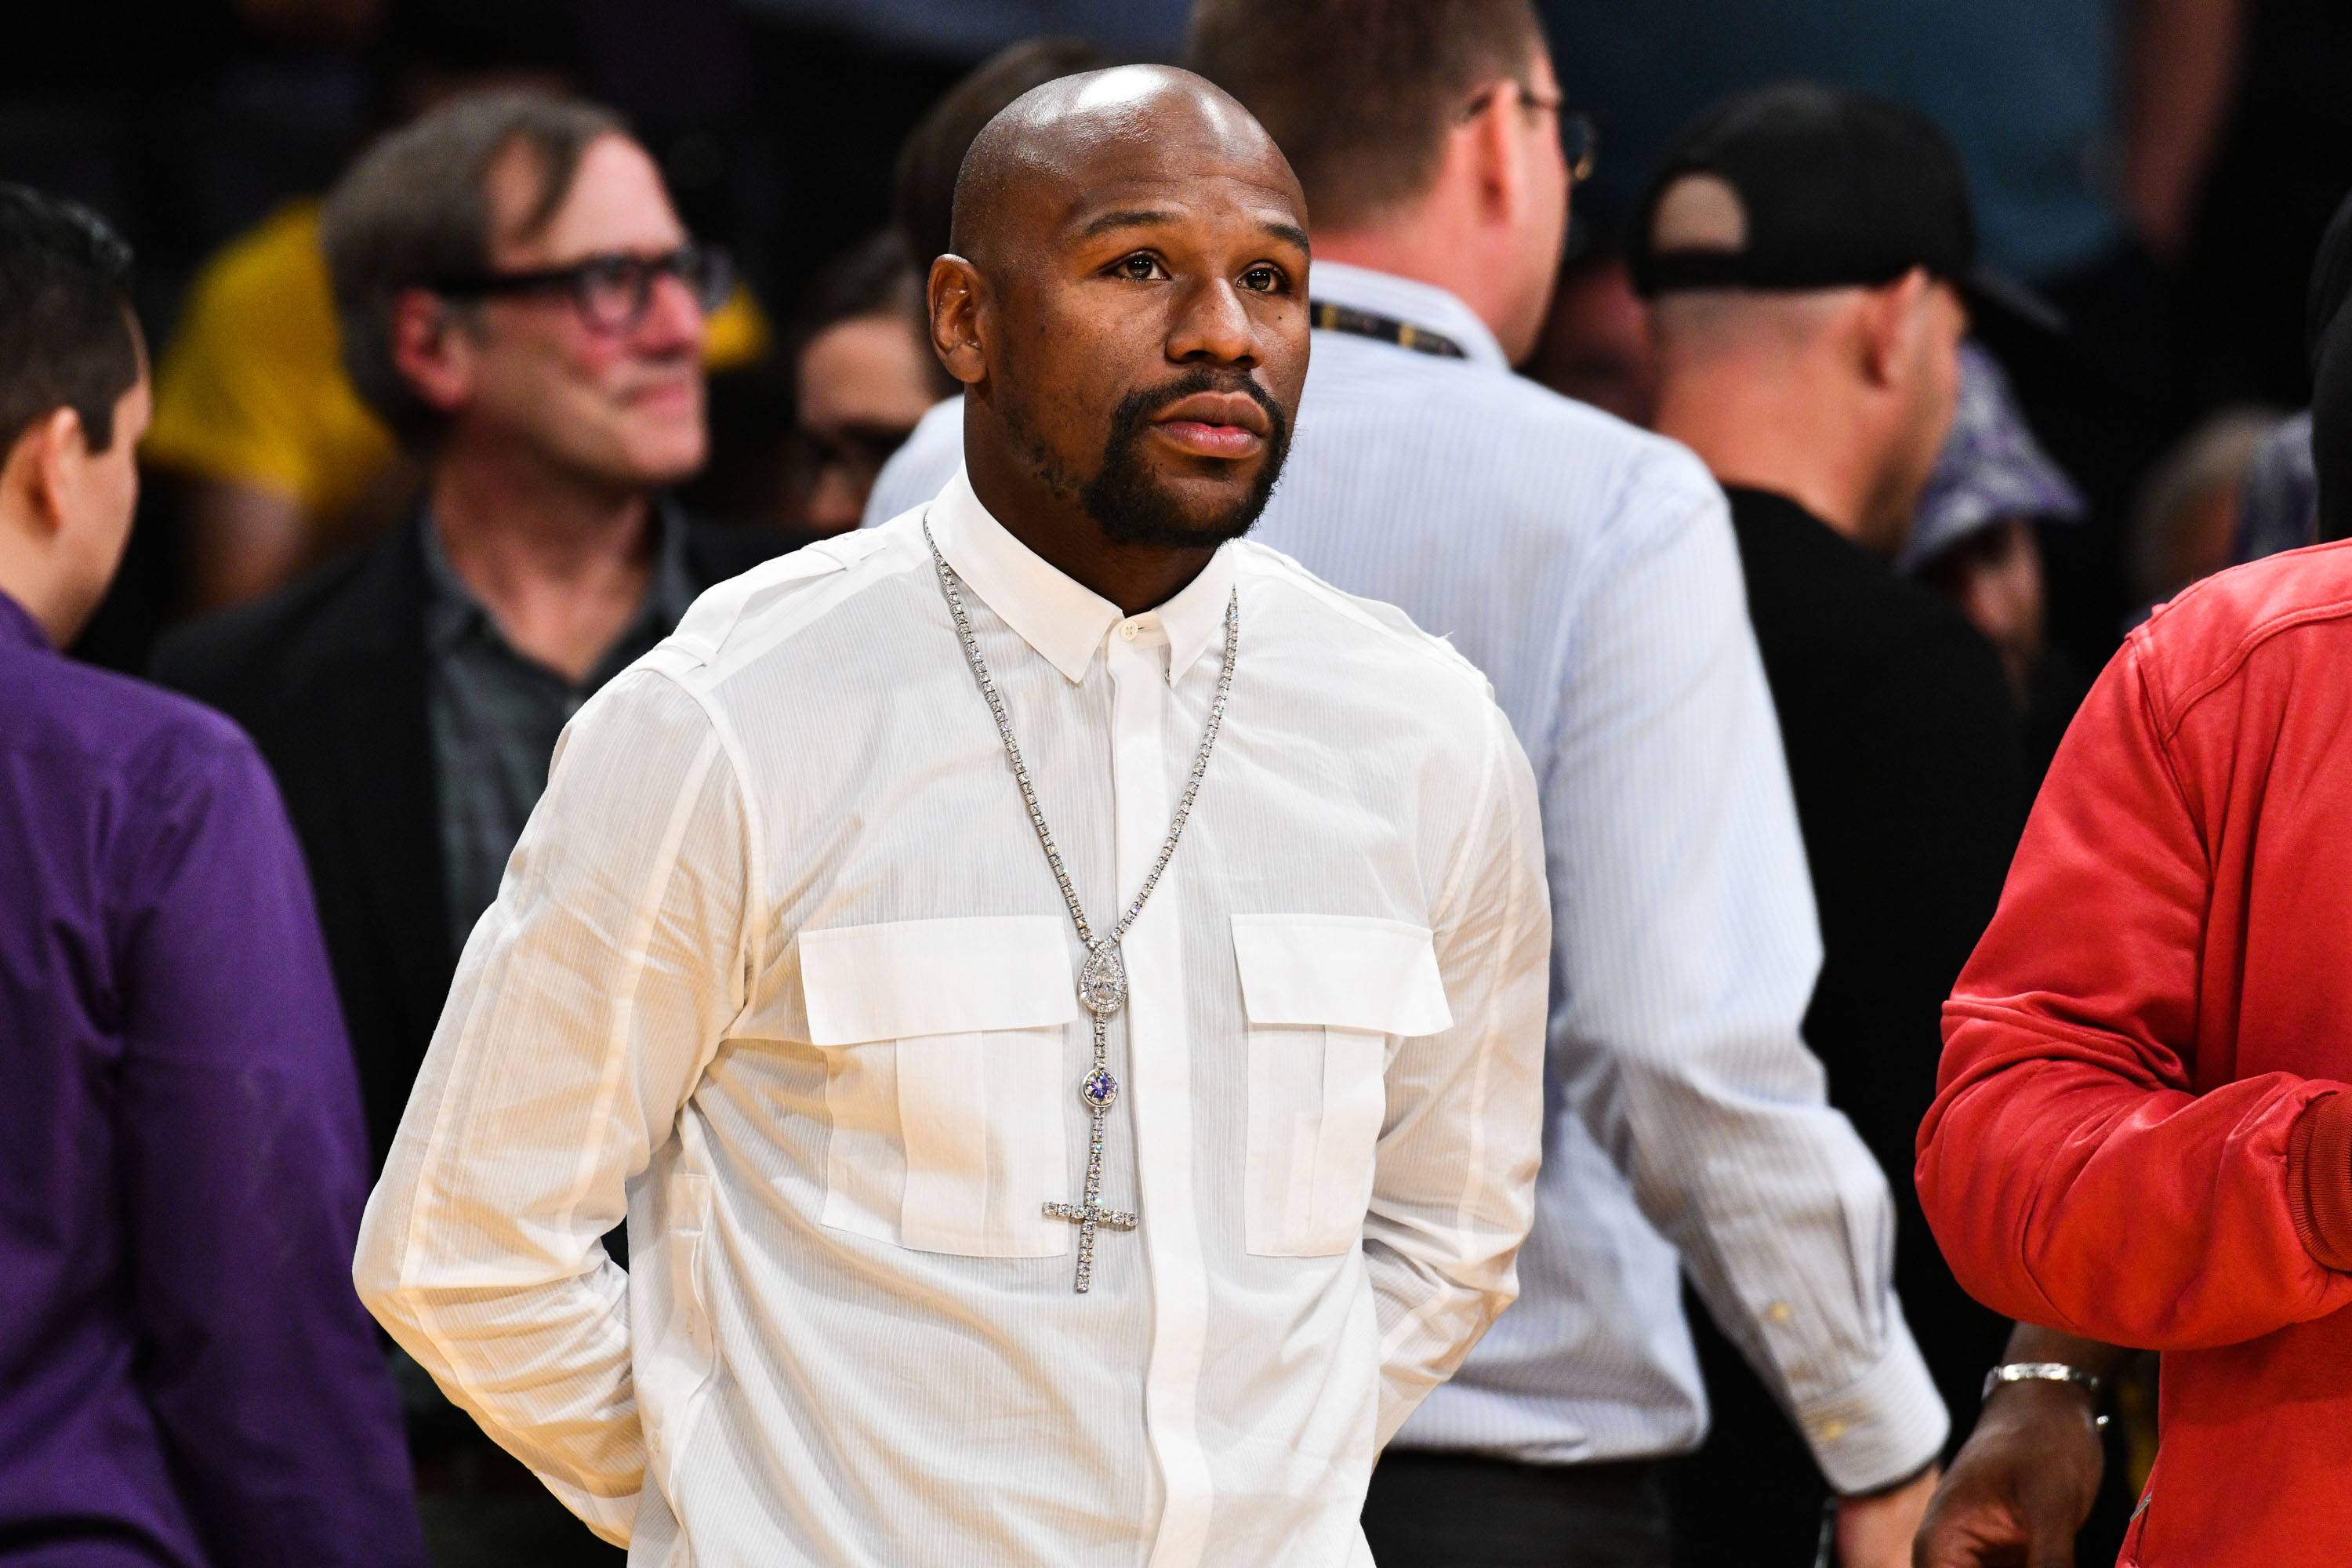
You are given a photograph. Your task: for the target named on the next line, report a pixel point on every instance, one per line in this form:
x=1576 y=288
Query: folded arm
x=1688 y=950
x=2072 y=1177
x=587 y=1004
x=1454 y=1188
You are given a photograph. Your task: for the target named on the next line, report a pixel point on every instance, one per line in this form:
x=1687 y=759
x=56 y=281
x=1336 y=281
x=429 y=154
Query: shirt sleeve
x=243 y=1166
x=2066 y=1129
x=1454 y=1181
x=1687 y=951
x=587 y=1004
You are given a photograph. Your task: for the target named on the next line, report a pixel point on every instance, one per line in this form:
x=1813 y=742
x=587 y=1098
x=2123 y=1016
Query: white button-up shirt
x=1590 y=570
x=778 y=971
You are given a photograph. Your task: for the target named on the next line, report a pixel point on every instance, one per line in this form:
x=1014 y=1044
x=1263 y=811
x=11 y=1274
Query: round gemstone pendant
x=1097 y=1090
x=1102 y=981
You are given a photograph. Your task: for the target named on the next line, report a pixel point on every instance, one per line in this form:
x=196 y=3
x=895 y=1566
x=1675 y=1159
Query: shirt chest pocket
x=944 y=1080
x=1325 y=996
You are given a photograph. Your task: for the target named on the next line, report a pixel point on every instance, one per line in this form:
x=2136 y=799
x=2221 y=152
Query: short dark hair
x=415 y=210
x=874 y=278
x=1358 y=94
x=923 y=197
x=67 y=334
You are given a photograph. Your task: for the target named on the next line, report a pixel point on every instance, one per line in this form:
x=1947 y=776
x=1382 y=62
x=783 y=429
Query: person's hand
x=2021 y=1487
x=1876 y=1532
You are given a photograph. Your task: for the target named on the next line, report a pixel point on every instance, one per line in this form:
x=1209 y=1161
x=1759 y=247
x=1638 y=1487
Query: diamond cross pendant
x=1088 y=1216
x=1096 y=1091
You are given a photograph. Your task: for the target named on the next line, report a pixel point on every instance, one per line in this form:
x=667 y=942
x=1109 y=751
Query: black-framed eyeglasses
x=1580 y=139
x=612 y=292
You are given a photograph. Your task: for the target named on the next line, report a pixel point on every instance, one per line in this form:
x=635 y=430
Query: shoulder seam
x=2229 y=666
x=1416 y=638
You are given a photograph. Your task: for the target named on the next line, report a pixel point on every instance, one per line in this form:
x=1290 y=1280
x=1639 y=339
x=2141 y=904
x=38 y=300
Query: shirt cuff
x=2319 y=1178
x=1885 y=1426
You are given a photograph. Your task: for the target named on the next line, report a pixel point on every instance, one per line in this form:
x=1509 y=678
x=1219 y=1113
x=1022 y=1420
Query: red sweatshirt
x=2142 y=1132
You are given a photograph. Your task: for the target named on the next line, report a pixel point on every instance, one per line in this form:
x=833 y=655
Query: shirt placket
x=1159 y=1067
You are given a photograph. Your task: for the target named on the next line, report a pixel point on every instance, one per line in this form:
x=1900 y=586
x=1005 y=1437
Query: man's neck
x=1418 y=250
x=1753 y=434
x=560 y=566
x=1059 y=531
x=30 y=578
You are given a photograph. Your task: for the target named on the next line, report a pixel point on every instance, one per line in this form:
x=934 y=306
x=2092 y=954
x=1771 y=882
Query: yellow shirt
x=251 y=388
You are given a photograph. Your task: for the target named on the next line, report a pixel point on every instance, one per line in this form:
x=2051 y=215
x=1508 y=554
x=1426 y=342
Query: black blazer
x=329 y=679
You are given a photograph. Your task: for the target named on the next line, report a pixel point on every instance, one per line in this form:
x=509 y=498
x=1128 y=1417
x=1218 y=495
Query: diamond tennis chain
x=1102 y=979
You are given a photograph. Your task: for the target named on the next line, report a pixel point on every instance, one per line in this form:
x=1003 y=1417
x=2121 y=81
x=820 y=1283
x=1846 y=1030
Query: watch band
x=2042 y=1372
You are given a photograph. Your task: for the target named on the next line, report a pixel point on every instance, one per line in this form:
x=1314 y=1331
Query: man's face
x=620 y=407
x=1146 y=336
x=863 y=384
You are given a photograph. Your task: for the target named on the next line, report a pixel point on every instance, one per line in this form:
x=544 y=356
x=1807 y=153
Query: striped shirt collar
x=1425 y=305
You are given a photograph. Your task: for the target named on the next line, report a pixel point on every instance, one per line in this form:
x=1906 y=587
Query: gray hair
x=415 y=210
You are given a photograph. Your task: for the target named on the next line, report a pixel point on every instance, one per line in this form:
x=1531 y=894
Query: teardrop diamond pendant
x=1102 y=981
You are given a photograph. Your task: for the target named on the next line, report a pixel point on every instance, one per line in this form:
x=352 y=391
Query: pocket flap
x=1344 y=972
x=936 y=977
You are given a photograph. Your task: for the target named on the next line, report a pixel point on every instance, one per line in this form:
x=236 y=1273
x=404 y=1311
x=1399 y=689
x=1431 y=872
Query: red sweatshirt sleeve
x=2069 y=1171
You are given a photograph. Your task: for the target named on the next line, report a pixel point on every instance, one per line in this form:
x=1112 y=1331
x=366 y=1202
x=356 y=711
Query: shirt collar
x=1425 y=305
x=1064 y=620
x=453 y=614
x=17 y=625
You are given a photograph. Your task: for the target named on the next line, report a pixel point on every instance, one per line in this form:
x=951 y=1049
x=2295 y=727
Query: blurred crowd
x=483 y=335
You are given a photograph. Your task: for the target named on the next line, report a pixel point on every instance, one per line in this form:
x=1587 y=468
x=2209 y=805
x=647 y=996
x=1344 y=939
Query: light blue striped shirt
x=1589 y=570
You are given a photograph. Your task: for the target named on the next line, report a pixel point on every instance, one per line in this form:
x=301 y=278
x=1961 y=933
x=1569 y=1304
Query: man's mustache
x=1138 y=407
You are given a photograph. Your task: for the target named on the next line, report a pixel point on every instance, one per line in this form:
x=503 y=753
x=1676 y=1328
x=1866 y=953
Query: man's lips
x=1214 y=425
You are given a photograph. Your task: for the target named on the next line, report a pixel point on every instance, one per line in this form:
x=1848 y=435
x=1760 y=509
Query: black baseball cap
x=1826 y=189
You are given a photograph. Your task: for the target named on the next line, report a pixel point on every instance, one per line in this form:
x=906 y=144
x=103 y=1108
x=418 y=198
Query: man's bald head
x=1126 y=305
x=1051 y=145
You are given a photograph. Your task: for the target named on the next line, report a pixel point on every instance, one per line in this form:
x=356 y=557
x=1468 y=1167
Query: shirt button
x=1127 y=632
x=1831 y=1430
x=1779 y=1311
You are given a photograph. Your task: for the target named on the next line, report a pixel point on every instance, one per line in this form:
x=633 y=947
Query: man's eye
x=1143 y=267
x=1263 y=280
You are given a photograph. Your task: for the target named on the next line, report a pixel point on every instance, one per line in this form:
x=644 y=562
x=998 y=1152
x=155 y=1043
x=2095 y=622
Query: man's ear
x=44 y=465
x=956 y=295
x=1488 y=142
x=1891 y=319
x=431 y=353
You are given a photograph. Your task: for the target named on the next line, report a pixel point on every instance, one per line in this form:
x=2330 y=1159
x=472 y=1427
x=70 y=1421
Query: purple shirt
x=186 y=1376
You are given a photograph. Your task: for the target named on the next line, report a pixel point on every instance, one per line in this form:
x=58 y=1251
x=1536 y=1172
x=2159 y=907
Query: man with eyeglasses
x=1591 y=571
x=521 y=304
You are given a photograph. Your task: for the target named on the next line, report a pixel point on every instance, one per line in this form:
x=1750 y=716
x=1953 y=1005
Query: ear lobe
x=51 y=454
x=433 y=359
x=1890 y=320
x=956 y=295
x=1488 y=138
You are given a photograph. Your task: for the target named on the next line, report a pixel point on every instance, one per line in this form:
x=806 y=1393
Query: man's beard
x=1131 y=507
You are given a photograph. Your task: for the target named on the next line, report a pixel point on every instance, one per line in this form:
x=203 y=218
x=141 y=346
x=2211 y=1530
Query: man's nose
x=1212 y=324
x=674 y=319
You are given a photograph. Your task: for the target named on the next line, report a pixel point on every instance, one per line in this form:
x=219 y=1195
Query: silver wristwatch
x=2042 y=1372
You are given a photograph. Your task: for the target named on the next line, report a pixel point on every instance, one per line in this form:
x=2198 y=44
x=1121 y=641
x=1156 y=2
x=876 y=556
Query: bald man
x=1055 y=992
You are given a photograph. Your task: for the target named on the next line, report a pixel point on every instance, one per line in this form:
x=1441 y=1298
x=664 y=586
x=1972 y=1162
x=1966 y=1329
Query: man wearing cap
x=1805 y=250
x=2142 y=1132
